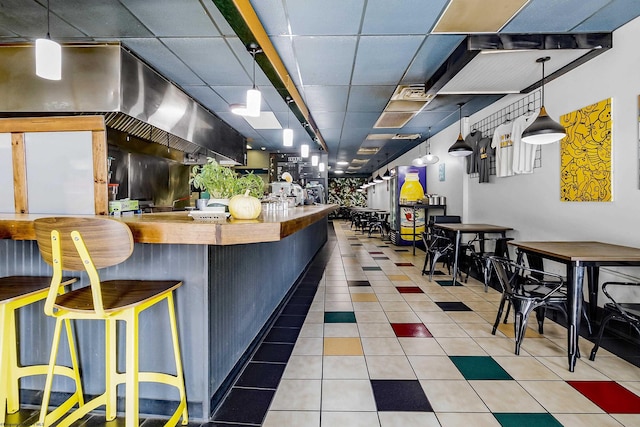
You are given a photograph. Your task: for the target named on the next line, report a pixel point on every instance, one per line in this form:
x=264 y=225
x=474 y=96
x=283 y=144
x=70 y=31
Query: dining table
x=459 y=229
x=579 y=257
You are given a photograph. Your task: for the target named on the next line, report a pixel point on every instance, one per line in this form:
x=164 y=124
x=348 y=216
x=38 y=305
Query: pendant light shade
x=314 y=160
x=287 y=134
x=543 y=130
x=429 y=159
x=48 y=56
x=460 y=148
x=304 y=150
x=387 y=175
x=321 y=166
x=254 y=97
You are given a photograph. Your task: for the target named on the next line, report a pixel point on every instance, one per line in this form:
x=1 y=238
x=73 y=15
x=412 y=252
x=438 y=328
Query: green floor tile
x=479 y=368
x=448 y=283
x=339 y=317
x=371 y=269
x=527 y=420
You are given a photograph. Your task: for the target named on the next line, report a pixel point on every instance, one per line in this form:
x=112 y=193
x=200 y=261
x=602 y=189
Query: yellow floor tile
x=364 y=298
x=398 y=278
x=342 y=347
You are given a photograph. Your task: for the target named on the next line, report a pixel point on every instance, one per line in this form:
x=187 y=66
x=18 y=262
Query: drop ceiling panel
x=221 y=24
x=325 y=17
x=207 y=97
x=424 y=119
x=167 y=64
x=327 y=120
x=101 y=19
x=233 y=94
x=326 y=98
x=430 y=57
x=611 y=16
x=325 y=60
x=29 y=19
x=284 y=47
x=190 y=19
x=211 y=59
x=553 y=16
x=360 y=120
x=507 y=71
x=417 y=16
x=473 y=16
x=369 y=98
x=272 y=15
x=389 y=56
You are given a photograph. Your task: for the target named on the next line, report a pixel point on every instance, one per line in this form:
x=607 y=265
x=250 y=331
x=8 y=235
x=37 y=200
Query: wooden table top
x=179 y=228
x=472 y=228
x=573 y=251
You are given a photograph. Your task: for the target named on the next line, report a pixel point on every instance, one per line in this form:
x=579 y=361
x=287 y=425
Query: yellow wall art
x=585 y=174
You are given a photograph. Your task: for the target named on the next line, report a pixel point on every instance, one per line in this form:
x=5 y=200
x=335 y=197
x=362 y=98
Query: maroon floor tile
x=409 y=290
x=608 y=395
x=376 y=253
x=404 y=264
x=411 y=330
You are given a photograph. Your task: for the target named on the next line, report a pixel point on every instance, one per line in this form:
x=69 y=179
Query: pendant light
x=418 y=160
x=304 y=150
x=321 y=166
x=387 y=175
x=287 y=134
x=254 y=98
x=48 y=55
x=543 y=130
x=378 y=179
x=460 y=148
x=429 y=159
x=314 y=160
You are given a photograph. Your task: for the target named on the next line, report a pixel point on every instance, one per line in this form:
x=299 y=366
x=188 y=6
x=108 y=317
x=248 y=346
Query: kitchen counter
x=180 y=228
x=235 y=275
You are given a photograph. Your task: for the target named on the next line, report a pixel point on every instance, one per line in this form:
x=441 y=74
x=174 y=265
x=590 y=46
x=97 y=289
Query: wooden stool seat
x=88 y=244
x=17 y=292
x=116 y=295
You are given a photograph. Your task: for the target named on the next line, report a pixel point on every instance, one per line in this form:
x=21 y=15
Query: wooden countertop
x=180 y=228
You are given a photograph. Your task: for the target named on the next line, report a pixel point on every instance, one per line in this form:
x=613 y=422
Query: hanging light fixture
x=314 y=160
x=48 y=55
x=321 y=166
x=429 y=159
x=254 y=98
x=304 y=150
x=387 y=175
x=378 y=179
x=287 y=134
x=418 y=160
x=543 y=130
x=460 y=148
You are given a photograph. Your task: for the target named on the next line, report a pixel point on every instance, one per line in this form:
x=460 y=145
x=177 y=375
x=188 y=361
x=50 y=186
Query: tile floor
x=366 y=340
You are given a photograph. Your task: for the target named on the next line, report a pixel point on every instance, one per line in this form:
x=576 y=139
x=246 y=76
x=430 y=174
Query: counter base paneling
x=229 y=293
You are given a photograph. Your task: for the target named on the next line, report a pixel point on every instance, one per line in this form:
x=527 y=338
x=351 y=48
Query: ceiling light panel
x=368 y=151
x=507 y=72
x=473 y=16
x=266 y=120
x=380 y=136
x=393 y=120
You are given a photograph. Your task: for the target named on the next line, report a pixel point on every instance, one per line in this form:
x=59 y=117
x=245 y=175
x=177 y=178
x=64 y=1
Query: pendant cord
x=542 y=100
x=254 y=68
x=48 y=23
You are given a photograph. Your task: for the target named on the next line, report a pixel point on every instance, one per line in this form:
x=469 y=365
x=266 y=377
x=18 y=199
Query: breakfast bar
x=235 y=275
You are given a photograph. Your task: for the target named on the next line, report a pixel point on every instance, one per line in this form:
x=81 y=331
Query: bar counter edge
x=235 y=276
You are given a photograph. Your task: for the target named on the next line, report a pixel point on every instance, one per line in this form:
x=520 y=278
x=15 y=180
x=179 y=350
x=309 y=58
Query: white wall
x=531 y=203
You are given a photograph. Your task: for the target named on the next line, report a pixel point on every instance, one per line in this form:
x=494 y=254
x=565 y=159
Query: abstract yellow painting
x=585 y=169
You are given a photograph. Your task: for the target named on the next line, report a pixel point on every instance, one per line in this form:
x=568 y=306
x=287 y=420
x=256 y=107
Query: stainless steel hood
x=109 y=80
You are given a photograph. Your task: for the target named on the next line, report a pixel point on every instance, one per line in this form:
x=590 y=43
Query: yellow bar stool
x=17 y=292
x=89 y=244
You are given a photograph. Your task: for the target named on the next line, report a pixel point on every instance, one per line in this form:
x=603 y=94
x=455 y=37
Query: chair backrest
x=504 y=272
x=502 y=249
x=535 y=262
x=109 y=242
x=445 y=219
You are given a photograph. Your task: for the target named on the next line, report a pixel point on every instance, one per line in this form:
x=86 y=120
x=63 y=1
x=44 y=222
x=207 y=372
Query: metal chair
x=526 y=295
x=618 y=309
x=481 y=260
x=90 y=244
x=438 y=246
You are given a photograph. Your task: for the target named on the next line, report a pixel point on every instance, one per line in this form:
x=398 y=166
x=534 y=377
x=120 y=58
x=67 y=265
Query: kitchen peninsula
x=235 y=275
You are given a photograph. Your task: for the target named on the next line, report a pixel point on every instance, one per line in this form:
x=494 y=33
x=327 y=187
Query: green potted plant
x=222 y=183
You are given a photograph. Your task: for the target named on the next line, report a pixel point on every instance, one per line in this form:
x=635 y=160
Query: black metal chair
x=480 y=259
x=527 y=294
x=618 y=309
x=438 y=246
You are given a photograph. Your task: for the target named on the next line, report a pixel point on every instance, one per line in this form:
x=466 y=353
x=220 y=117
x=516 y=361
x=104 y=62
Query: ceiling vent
x=410 y=136
x=368 y=151
x=359 y=161
x=405 y=103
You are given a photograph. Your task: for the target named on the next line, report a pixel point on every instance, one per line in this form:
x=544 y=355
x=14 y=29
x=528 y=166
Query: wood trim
x=52 y=124
x=20 y=199
x=100 y=174
x=179 y=228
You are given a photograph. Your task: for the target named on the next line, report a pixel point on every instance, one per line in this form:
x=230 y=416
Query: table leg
x=455 y=258
x=593 y=274
x=575 y=276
